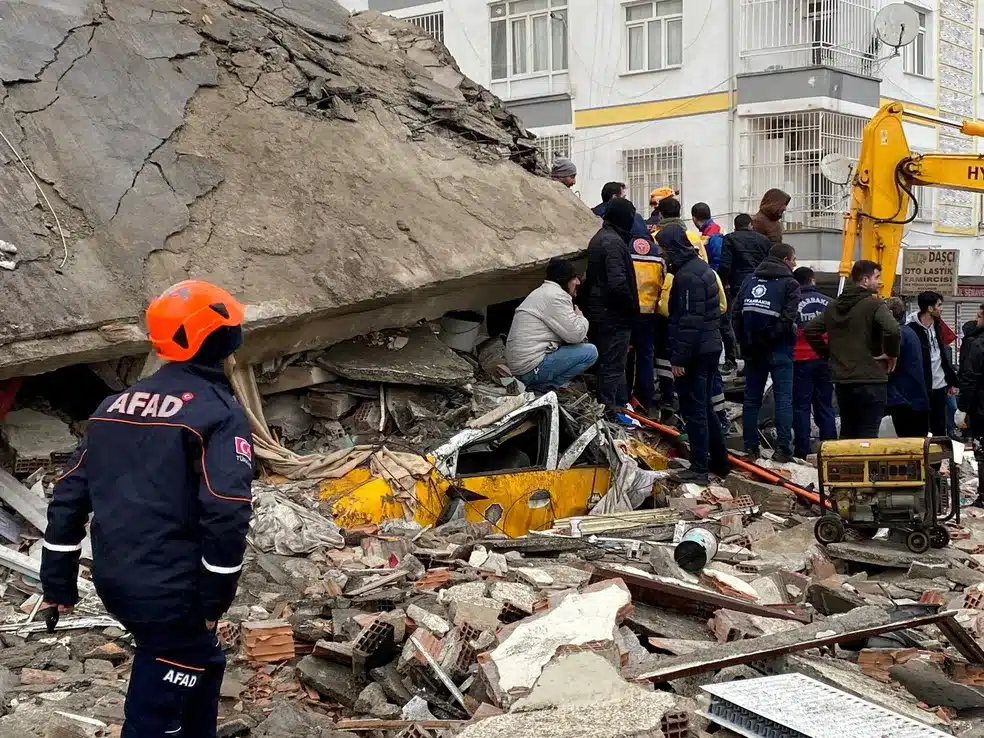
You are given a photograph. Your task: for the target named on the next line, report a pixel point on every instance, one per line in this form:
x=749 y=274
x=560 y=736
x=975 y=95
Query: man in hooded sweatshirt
x=862 y=343
x=695 y=345
x=768 y=219
x=765 y=325
x=609 y=298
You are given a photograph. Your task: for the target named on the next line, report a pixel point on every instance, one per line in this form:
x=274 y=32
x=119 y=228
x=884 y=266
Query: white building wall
x=614 y=110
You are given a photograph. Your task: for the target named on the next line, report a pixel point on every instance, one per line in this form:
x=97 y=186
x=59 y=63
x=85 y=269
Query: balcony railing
x=787 y=34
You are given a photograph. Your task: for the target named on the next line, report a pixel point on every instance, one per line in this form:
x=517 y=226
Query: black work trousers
x=613 y=353
x=909 y=423
x=695 y=389
x=937 y=411
x=862 y=407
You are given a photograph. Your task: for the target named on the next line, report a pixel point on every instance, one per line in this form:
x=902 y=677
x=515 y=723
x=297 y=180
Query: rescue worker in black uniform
x=165 y=470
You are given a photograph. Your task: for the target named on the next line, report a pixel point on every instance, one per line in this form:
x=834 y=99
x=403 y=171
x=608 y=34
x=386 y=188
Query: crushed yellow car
x=522 y=473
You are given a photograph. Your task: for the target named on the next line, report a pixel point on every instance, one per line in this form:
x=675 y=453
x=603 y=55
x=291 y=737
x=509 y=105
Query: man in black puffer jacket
x=695 y=345
x=609 y=299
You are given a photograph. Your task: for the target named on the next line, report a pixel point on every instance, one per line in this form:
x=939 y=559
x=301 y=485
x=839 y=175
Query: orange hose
x=759 y=471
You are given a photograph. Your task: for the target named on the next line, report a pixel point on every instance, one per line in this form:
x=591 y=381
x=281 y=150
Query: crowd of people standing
x=663 y=299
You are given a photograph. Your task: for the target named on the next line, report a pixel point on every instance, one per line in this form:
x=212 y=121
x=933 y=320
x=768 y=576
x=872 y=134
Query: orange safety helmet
x=185 y=315
x=660 y=193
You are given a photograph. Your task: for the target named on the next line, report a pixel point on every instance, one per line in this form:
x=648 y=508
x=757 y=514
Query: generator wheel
x=829 y=529
x=917 y=541
x=939 y=536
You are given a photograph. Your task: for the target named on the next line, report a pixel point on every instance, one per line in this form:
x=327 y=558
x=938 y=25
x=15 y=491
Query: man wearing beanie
x=545 y=349
x=564 y=171
x=165 y=470
x=610 y=299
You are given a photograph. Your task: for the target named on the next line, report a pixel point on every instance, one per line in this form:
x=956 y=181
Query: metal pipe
x=759 y=471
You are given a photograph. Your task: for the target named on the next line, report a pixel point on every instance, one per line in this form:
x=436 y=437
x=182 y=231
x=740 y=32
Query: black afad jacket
x=166 y=470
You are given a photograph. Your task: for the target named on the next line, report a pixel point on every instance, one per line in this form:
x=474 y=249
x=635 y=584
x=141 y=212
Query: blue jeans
x=704 y=431
x=560 y=367
x=757 y=370
x=813 y=388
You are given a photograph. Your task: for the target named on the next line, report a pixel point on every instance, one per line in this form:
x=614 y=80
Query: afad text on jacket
x=765 y=319
x=811 y=305
x=165 y=470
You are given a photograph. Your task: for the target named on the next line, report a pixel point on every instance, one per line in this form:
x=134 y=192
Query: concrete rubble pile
x=593 y=624
x=325 y=169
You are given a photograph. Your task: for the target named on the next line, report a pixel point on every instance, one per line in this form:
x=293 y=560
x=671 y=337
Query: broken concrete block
x=330 y=405
x=459 y=592
x=832 y=599
x=372 y=701
x=417 y=709
x=296 y=377
x=481 y=613
x=922 y=570
x=423 y=361
x=881 y=553
x=36 y=440
x=532 y=576
x=927 y=683
x=579 y=695
x=579 y=619
x=520 y=596
x=434 y=623
x=330 y=680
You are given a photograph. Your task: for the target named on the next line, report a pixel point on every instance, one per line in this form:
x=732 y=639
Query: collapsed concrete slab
x=298 y=157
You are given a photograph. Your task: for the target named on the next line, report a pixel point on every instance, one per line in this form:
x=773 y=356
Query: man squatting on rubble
x=765 y=326
x=695 y=346
x=165 y=469
x=546 y=346
x=970 y=400
x=861 y=338
x=813 y=386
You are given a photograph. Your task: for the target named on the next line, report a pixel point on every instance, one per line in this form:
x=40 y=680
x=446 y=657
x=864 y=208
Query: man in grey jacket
x=545 y=349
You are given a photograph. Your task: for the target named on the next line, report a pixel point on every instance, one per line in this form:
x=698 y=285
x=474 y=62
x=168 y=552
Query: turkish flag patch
x=244 y=450
x=641 y=246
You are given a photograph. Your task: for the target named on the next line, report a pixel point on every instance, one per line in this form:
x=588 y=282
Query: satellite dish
x=837 y=168
x=896 y=25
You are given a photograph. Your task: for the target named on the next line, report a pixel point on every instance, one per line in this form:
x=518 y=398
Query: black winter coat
x=609 y=296
x=971 y=379
x=785 y=327
x=165 y=470
x=741 y=254
x=695 y=310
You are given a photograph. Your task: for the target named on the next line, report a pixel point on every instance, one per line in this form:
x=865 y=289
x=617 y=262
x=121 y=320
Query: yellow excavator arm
x=882 y=187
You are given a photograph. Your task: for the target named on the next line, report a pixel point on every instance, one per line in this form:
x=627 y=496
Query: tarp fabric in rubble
x=284 y=527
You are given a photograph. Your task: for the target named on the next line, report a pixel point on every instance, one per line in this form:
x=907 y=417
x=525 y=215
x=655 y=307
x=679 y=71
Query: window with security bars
x=553 y=147
x=785 y=151
x=643 y=170
x=431 y=23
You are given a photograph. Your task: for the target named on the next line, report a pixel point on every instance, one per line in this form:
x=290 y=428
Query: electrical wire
x=43 y=195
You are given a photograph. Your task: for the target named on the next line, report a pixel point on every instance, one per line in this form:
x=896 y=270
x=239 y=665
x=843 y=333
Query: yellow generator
x=894 y=483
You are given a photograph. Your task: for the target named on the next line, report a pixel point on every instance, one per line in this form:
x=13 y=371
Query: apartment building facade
x=723 y=99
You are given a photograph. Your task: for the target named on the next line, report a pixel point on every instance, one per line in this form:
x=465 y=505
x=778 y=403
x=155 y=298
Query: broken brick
x=433 y=580
x=268 y=641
